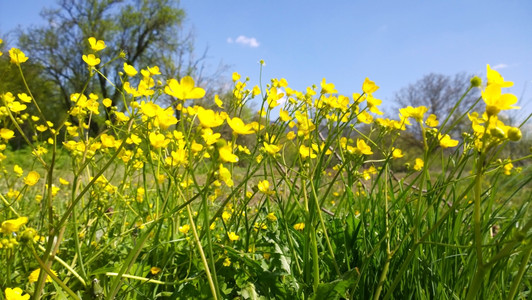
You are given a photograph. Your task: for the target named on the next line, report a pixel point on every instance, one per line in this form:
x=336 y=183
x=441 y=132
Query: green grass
x=184 y=221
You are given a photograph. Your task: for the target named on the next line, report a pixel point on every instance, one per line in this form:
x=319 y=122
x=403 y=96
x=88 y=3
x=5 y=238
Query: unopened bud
x=497 y=132
x=476 y=81
x=514 y=134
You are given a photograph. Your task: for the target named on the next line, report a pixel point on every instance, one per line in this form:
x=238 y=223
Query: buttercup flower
x=226 y=154
x=13 y=225
x=299 y=226
x=16 y=293
x=130 y=70
x=7 y=134
x=155 y=270
x=446 y=141
x=96 y=45
x=184 y=229
x=239 y=127
x=32 y=178
x=91 y=60
x=369 y=86
x=233 y=236
x=184 y=89
x=208 y=118
x=495 y=79
x=496 y=101
x=34 y=276
x=397 y=153
x=419 y=164
x=17 y=56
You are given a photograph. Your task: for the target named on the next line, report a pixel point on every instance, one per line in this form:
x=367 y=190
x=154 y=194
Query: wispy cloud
x=499 y=66
x=245 y=41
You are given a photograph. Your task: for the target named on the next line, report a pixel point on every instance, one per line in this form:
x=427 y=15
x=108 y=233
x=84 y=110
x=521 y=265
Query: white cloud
x=245 y=41
x=499 y=66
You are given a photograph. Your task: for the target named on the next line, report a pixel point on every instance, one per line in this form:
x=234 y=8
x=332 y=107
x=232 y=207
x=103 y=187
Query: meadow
x=188 y=201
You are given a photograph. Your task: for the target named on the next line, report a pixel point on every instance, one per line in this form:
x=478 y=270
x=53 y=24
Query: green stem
x=519 y=276
x=51 y=274
x=202 y=254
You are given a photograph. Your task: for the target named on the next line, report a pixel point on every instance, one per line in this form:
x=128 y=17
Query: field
x=327 y=201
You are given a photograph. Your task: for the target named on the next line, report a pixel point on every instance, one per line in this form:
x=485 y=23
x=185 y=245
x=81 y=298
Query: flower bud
x=28 y=235
x=497 y=132
x=514 y=134
x=476 y=81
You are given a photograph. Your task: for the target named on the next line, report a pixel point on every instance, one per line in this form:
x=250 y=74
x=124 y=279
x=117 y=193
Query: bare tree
x=439 y=93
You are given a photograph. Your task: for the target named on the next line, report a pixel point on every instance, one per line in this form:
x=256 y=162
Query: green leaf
x=332 y=290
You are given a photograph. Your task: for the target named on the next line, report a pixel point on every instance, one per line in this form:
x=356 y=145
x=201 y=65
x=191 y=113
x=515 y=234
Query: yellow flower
x=413 y=112
x=130 y=70
x=327 y=88
x=397 y=153
x=155 y=270
x=255 y=91
x=271 y=217
x=218 y=101
x=208 y=118
x=32 y=178
x=235 y=76
x=16 y=106
x=184 y=229
x=369 y=86
x=225 y=175
x=285 y=117
x=299 y=226
x=233 y=236
x=419 y=164
x=41 y=128
x=7 y=134
x=305 y=152
x=264 y=186
x=495 y=79
x=18 y=170
x=158 y=140
x=239 y=127
x=363 y=148
x=432 y=121
x=184 y=90
x=13 y=225
x=273 y=97
x=373 y=103
x=91 y=60
x=209 y=137
x=17 y=56
x=96 y=45
x=24 y=97
x=496 y=101
x=271 y=148
x=226 y=216
x=227 y=262
x=446 y=141
x=63 y=181
x=226 y=154
x=290 y=135
x=35 y=275
x=149 y=109
x=154 y=70
x=16 y=293
x=508 y=168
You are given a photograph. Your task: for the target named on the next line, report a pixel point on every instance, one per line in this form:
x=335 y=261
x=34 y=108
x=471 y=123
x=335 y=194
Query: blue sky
x=393 y=43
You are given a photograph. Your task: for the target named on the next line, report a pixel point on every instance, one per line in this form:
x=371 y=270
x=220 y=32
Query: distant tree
x=439 y=93
x=148 y=31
